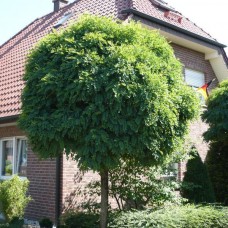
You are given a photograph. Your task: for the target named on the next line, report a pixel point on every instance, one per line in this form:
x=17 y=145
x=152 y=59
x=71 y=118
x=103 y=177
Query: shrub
x=15 y=223
x=13 y=197
x=46 y=223
x=134 y=186
x=188 y=216
x=217 y=164
x=196 y=186
x=72 y=219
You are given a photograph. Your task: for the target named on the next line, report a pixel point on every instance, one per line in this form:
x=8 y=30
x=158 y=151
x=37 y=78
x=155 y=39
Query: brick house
x=53 y=183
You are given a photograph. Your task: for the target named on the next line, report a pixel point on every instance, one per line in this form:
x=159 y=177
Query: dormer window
x=162 y=4
x=63 y=20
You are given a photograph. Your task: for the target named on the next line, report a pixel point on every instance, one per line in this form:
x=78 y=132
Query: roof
x=13 y=53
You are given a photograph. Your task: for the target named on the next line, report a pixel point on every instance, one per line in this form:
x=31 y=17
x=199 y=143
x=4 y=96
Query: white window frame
x=14 y=139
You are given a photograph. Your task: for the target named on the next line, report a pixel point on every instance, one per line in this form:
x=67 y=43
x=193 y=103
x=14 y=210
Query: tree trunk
x=104 y=198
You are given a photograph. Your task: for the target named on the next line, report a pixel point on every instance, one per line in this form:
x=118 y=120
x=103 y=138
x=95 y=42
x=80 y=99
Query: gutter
x=8 y=118
x=173 y=27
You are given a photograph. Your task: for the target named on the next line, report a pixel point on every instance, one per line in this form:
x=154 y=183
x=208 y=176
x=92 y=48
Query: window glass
x=194 y=78
x=13 y=157
x=7 y=158
x=21 y=161
x=63 y=20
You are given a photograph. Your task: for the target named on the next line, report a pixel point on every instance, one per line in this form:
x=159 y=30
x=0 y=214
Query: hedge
x=188 y=216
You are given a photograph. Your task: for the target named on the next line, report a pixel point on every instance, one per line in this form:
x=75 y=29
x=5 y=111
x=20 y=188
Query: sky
x=207 y=14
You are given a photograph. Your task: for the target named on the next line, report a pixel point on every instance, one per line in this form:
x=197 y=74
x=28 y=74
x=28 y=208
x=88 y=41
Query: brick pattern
x=74 y=182
x=10 y=131
x=74 y=190
x=197 y=128
x=42 y=188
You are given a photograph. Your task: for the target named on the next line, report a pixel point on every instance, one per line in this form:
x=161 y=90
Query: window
x=63 y=20
x=194 y=78
x=13 y=157
x=171 y=172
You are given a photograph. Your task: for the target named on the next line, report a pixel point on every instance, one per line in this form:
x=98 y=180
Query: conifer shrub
x=217 y=164
x=196 y=186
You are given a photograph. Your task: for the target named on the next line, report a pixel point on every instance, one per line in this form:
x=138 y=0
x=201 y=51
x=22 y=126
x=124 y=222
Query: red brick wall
x=74 y=182
x=42 y=188
x=41 y=175
x=10 y=131
x=197 y=129
x=194 y=60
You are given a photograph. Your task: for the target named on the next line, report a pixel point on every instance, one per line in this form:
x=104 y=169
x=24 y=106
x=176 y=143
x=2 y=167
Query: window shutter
x=194 y=78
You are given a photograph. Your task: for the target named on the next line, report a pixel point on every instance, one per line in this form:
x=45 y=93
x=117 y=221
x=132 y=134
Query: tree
x=196 y=186
x=216 y=114
x=217 y=163
x=101 y=91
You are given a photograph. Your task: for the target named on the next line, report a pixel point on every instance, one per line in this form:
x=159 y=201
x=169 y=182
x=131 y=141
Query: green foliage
x=46 y=223
x=73 y=219
x=13 y=197
x=134 y=186
x=216 y=114
x=108 y=90
x=8 y=168
x=217 y=164
x=197 y=187
x=15 y=223
x=174 y=216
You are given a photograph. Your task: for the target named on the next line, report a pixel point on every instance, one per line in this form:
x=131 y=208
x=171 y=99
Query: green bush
x=134 y=187
x=46 y=223
x=196 y=186
x=73 y=219
x=15 y=223
x=13 y=198
x=188 y=216
x=217 y=164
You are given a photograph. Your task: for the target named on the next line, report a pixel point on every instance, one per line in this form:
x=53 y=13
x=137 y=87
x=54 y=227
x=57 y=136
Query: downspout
x=57 y=191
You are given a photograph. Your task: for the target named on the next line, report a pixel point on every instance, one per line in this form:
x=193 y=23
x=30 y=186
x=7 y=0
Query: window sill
x=3 y=178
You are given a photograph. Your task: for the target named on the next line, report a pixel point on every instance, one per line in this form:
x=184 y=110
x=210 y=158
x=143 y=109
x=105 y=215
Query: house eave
x=214 y=51
x=173 y=27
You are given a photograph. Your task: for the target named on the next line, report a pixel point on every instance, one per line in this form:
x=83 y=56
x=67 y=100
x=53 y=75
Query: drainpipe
x=57 y=191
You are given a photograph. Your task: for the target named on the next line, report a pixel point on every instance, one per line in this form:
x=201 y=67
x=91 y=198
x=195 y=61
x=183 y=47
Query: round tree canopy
x=102 y=90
